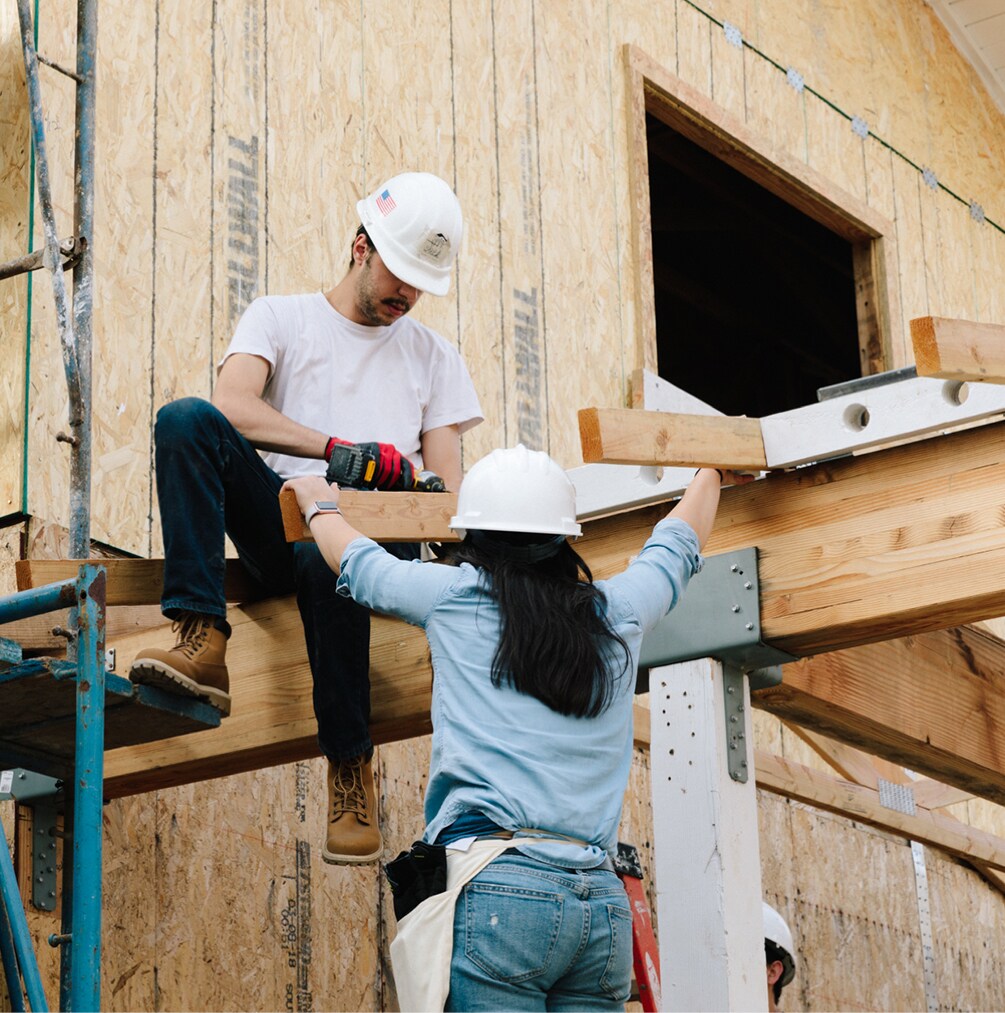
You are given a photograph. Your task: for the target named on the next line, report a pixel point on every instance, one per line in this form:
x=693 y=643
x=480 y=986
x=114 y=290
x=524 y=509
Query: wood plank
x=933 y=702
x=959 y=349
x=857 y=802
x=861 y=802
x=35 y=634
x=130 y=581
x=630 y=436
x=272 y=720
x=382 y=516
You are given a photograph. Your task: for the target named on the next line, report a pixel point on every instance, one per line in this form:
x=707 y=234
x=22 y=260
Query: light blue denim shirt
x=503 y=753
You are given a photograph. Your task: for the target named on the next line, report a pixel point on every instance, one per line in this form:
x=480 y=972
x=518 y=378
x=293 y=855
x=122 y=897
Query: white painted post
x=706 y=855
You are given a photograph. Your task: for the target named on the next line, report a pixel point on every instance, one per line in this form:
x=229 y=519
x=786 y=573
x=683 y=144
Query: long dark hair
x=555 y=643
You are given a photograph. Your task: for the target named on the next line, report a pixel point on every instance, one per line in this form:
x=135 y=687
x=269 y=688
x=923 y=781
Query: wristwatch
x=320 y=507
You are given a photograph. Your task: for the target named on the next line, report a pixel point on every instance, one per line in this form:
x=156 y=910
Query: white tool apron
x=422 y=949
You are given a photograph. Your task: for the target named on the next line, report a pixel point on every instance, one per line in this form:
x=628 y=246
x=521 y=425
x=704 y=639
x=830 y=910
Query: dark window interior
x=755 y=301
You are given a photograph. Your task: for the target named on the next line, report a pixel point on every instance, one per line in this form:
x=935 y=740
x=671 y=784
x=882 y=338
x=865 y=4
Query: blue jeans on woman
x=211 y=482
x=531 y=936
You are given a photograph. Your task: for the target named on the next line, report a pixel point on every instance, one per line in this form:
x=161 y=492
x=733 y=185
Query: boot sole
x=172 y=681
x=333 y=859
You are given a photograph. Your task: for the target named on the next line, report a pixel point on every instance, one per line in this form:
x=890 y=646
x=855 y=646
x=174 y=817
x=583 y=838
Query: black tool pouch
x=415 y=875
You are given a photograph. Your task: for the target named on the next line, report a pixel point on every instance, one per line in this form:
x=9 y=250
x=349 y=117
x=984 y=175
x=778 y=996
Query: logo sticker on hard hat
x=385 y=203
x=434 y=247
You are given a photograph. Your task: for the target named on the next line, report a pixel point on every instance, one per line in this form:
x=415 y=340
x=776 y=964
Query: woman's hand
x=309 y=489
x=730 y=477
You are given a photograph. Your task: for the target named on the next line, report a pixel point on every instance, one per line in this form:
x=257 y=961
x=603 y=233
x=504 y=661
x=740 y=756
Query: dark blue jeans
x=211 y=483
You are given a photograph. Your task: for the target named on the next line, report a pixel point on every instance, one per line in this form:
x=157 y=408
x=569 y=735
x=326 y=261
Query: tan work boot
x=195 y=666
x=353 y=833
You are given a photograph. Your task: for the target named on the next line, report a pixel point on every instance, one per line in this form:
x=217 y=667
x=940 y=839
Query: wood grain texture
x=897 y=699
x=630 y=436
x=382 y=516
x=959 y=349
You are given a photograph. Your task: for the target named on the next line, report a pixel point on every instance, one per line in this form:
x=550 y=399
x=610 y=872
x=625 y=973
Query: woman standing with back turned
x=534 y=676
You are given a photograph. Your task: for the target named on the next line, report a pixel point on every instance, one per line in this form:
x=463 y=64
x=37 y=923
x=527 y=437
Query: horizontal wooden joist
x=889 y=544
x=862 y=803
x=934 y=702
x=383 y=516
x=630 y=436
x=959 y=349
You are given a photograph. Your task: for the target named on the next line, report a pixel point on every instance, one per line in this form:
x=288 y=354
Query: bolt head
x=750 y=626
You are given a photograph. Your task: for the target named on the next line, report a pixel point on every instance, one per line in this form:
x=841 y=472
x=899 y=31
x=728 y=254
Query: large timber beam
x=959 y=349
x=934 y=702
x=885 y=545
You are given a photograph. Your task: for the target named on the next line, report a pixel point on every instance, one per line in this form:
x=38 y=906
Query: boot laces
x=192 y=630
x=348 y=790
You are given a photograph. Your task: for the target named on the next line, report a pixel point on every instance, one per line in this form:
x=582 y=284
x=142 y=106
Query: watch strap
x=320 y=507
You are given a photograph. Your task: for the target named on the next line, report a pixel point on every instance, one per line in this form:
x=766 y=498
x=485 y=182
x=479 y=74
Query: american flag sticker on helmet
x=385 y=203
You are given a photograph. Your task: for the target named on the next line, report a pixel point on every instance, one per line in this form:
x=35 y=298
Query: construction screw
x=729 y=689
x=750 y=626
x=733 y=568
x=736 y=608
x=747 y=584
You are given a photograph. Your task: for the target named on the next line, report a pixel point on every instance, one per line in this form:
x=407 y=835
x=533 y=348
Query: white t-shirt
x=359 y=383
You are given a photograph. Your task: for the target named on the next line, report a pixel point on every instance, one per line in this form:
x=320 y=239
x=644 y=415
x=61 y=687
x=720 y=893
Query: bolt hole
x=856 y=417
x=956 y=392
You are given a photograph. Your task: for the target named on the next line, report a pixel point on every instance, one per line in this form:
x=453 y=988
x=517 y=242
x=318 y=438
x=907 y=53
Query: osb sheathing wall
x=233 y=142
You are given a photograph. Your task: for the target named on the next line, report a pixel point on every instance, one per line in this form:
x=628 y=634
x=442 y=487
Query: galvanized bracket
x=720 y=617
x=28 y=788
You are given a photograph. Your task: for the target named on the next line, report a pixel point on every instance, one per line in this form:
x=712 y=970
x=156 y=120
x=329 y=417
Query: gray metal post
x=83 y=273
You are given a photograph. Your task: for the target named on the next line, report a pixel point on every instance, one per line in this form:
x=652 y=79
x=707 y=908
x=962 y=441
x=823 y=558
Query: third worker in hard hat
x=343 y=384
x=779 y=955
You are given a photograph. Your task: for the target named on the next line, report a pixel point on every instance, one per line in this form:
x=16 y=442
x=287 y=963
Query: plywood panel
x=522 y=291
x=48 y=478
x=728 y=85
x=774 y=107
x=910 y=250
x=581 y=322
x=239 y=251
x=182 y=340
x=694 y=47
x=123 y=277
x=832 y=148
x=15 y=145
x=989 y=271
x=476 y=287
x=956 y=258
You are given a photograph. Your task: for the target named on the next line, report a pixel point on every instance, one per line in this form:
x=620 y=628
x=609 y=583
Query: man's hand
x=369 y=466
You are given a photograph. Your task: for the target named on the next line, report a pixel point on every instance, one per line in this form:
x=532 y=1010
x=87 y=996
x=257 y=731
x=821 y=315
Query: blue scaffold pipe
x=20 y=938
x=37 y=601
x=85 y=946
x=9 y=957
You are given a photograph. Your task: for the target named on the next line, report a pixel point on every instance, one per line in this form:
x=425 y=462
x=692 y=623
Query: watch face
x=326 y=505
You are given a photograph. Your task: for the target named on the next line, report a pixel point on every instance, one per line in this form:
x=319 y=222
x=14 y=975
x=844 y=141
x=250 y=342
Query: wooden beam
x=272 y=720
x=934 y=702
x=959 y=349
x=130 y=581
x=862 y=548
x=859 y=802
x=783 y=777
x=630 y=436
x=888 y=544
x=382 y=516
x=35 y=634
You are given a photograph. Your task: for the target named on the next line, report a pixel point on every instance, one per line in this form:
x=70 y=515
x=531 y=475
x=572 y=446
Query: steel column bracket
x=718 y=617
x=38 y=791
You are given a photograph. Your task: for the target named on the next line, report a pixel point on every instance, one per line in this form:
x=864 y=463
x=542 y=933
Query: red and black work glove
x=376 y=466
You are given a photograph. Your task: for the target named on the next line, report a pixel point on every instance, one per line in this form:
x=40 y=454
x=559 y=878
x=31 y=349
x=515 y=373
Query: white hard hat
x=517 y=490
x=777 y=932
x=415 y=222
